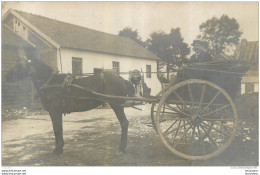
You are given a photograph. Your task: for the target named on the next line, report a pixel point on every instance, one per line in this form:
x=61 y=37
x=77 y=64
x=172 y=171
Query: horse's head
x=19 y=71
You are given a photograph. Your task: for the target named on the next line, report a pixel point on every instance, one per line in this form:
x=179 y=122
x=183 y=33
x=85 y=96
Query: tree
x=169 y=47
x=179 y=49
x=220 y=34
x=133 y=34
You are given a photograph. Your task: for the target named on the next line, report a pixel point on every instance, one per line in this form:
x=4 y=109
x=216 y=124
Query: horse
x=57 y=101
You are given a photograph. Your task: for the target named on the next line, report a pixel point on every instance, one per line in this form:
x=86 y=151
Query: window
x=249 y=87
x=76 y=65
x=148 y=71
x=20 y=29
x=116 y=67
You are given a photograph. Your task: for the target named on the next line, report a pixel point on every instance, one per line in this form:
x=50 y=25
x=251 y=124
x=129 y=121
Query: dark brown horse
x=61 y=100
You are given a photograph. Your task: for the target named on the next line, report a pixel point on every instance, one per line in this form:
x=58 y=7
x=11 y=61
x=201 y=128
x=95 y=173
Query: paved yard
x=92 y=139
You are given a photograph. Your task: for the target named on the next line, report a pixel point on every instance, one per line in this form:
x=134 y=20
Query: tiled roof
x=11 y=39
x=77 y=37
x=247 y=51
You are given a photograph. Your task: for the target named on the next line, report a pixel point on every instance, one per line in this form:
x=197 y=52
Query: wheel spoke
x=177 y=119
x=221 y=119
x=213 y=99
x=179 y=107
x=196 y=134
x=185 y=131
x=192 y=135
x=163 y=112
x=201 y=141
x=177 y=95
x=184 y=134
x=173 y=113
x=173 y=129
x=170 y=127
x=210 y=138
x=202 y=96
x=191 y=97
x=177 y=130
x=176 y=110
x=212 y=112
x=215 y=129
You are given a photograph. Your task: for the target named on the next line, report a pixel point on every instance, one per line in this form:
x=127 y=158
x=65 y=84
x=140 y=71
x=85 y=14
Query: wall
x=93 y=60
x=251 y=77
x=47 y=53
x=243 y=88
x=18 y=93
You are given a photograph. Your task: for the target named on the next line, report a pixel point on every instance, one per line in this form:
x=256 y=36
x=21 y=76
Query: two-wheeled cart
x=195 y=115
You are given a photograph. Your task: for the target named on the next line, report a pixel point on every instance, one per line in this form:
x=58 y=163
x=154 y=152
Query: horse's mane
x=42 y=69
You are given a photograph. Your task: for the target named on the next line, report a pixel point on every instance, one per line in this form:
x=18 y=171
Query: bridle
x=38 y=83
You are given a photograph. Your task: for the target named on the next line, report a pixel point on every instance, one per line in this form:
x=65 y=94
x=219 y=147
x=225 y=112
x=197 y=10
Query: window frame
x=116 y=68
x=77 y=60
x=249 y=87
x=148 y=71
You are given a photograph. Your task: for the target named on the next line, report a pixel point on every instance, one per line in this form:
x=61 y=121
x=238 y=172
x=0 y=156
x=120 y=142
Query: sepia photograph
x=129 y=84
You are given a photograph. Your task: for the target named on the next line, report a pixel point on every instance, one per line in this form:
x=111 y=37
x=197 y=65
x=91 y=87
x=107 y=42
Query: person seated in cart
x=200 y=54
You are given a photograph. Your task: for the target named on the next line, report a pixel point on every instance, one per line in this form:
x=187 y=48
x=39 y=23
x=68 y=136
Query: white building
x=248 y=51
x=69 y=48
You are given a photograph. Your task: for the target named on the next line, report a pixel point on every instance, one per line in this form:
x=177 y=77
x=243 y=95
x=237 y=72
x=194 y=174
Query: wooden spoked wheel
x=196 y=119
x=154 y=107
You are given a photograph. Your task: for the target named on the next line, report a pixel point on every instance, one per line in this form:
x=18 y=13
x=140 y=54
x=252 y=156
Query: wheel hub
x=196 y=119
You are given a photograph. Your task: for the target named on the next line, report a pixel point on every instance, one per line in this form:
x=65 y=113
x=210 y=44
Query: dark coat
x=202 y=57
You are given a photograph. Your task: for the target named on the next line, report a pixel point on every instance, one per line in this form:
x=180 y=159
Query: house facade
x=248 y=52
x=19 y=93
x=69 y=48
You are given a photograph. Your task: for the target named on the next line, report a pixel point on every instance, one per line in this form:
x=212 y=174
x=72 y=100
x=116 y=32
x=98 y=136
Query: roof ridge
x=85 y=38
x=49 y=18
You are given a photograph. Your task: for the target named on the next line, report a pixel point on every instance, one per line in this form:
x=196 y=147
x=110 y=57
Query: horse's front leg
x=119 y=111
x=56 y=118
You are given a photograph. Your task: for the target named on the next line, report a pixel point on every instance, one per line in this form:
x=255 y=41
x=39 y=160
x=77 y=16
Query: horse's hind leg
x=56 y=118
x=119 y=111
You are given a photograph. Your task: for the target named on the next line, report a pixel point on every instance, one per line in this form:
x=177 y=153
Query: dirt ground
x=92 y=139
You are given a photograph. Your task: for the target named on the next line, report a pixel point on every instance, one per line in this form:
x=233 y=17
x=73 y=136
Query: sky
x=145 y=17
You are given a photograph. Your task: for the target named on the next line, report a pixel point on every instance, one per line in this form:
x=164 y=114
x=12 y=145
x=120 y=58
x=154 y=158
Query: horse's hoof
x=58 y=151
x=123 y=150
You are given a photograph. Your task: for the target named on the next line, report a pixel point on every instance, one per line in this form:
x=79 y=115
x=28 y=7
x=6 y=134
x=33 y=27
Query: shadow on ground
x=96 y=144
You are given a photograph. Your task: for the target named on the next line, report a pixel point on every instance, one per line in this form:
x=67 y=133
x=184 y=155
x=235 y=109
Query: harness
x=65 y=90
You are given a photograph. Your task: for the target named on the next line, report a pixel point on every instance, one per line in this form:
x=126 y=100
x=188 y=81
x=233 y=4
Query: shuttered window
x=148 y=71
x=76 y=65
x=249 y=87
x=116 y=67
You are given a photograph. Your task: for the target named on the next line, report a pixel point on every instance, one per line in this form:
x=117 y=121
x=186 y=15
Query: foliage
x=220 y=34
x=133 y=34
x=169 y=47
